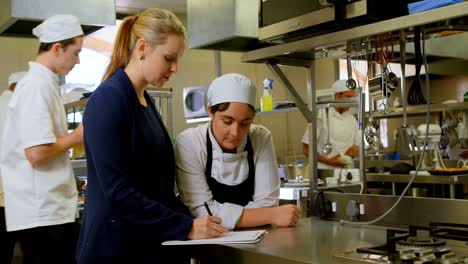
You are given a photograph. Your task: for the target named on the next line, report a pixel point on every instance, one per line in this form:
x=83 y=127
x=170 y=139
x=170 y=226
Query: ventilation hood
x=230 y=25
x=19 y=17
x=449 y=54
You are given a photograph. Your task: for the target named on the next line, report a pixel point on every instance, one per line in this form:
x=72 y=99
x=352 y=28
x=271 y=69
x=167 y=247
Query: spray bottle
x=266 y=102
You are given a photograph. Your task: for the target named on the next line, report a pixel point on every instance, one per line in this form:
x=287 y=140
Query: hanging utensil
x=371 y=131
x=327 y=149
x=385 y=107
x=350 y=83
x=415 y=95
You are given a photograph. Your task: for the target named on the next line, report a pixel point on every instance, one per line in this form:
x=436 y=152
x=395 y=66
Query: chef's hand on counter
x=286 y=215
x=353 y=151
x=333 y=161
x=206 y=227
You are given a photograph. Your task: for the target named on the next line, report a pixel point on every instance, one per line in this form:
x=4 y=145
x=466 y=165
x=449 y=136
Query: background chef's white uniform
x=43 y=195
x=227 y=168
x=4 y=99
x=343 y=133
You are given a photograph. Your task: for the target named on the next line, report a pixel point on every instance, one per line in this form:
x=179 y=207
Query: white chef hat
x=231 y=87
x=339 y=87
x=57 y=28
x=15 y=77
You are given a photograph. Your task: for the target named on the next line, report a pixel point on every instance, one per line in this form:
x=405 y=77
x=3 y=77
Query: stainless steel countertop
x=312 y=241
x=436 y=179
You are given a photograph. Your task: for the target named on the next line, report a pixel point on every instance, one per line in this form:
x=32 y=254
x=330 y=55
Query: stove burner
x=416 y=242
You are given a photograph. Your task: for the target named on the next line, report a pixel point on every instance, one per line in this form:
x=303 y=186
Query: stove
x=443 y=243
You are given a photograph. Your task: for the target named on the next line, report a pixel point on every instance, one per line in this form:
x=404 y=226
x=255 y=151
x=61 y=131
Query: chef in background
x=342 y=128
x=38 y=180
x=7 y=241
x=230 y=163
x=453 y=122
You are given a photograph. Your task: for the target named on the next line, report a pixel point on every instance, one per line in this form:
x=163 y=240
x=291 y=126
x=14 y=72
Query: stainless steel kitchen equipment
x=327 y=149
x=382 y=208
x=19 y=17
x=284 y=21
x=434 y=159
x=436 y=243
x=296 y=172
x=194 y=101
x=312 y=241
x=223 y=25
x=163 y=100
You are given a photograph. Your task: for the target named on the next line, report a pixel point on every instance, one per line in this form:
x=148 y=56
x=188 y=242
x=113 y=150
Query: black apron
x=240 y=194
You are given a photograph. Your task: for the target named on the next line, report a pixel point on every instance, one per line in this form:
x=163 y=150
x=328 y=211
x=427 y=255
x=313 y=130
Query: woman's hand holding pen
x=286 y=215
x=206 y=227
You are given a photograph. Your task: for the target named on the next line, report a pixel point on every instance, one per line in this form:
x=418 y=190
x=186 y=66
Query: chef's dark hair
x=224 y=106
x=44 y=47
x=153 y=24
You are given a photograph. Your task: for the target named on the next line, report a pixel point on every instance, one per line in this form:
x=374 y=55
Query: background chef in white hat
x=343 y=132
x=230 y=163
x=40 y=189
x=7 y=241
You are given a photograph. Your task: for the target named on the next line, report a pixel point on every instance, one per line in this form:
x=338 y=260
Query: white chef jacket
x=4 y=99
x=42 y=195
x=343 y=133
x=227 y=168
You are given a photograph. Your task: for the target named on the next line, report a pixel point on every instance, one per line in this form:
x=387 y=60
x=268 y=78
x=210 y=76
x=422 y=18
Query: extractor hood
x=19 y=17
x=449 y=54
x=230 y=25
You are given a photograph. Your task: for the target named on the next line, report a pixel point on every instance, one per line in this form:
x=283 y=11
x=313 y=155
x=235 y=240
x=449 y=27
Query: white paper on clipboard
x=233 y=237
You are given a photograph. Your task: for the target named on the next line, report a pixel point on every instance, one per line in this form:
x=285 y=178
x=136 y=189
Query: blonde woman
x=130 y=205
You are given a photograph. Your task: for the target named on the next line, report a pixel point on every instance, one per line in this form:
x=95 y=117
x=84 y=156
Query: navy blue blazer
x=130 y=206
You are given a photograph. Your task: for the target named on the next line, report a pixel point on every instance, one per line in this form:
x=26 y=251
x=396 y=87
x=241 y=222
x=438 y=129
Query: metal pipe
x=403 y=75
x=217 y=57
x=349 y=67
x=275 y=69
x=312 y=123
x=361 y=126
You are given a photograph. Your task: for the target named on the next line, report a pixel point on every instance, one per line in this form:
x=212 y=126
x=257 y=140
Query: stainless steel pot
x=376 y=156
x=417 y=192
x=296 y=172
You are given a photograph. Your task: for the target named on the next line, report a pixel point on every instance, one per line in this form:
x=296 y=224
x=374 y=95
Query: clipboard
x=233 y=237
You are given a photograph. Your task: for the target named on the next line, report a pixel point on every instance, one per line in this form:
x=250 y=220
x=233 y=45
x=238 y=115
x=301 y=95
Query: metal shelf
x=299 y=53
x=274 y=111
x=345 y=102
x=431 y=179
x=80 y=102
x=198 y=120
x=78 y=163
x=415 y=110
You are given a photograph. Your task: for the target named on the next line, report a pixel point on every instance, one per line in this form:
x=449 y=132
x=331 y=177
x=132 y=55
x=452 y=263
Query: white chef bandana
x=339 y=87
x=15 y=77
x=231 y=87
x=57 y=28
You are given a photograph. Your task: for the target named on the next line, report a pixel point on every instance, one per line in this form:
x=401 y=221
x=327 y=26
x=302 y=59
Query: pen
x=208 y=209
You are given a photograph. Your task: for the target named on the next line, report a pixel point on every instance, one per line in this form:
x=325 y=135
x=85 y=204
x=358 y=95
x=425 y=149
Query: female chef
x=230 y=163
